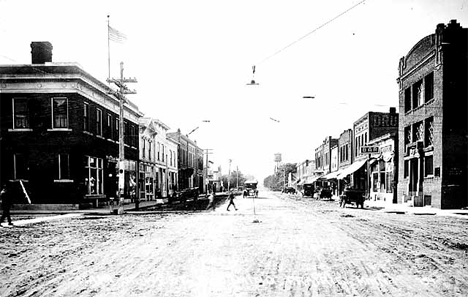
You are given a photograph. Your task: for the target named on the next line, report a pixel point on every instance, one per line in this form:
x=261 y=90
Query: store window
x=94 y=176
x=59 y=113
x=20 y=113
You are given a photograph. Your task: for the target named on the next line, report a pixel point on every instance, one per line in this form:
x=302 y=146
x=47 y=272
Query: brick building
x=60 y=131
x=370 y=126
x=189 y=162
x=433 y=123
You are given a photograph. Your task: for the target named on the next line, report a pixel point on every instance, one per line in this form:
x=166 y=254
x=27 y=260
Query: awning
x=332 y=175
x=351 y=169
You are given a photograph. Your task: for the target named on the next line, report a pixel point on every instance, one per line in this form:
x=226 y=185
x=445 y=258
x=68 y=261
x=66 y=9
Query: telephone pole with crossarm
x=120 y=94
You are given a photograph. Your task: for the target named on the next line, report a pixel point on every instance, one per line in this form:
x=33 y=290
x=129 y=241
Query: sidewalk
x=50 y=215
x=409 y=209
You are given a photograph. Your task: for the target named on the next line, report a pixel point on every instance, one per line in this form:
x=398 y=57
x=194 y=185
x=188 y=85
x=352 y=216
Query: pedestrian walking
x=231 y=201
x=7 y=201
x=211 y=201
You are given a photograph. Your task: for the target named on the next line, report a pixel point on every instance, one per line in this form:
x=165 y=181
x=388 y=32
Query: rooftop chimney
x=392 y=109
x=41 y=52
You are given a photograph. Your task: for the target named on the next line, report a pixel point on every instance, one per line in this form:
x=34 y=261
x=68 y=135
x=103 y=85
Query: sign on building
x=369 y=149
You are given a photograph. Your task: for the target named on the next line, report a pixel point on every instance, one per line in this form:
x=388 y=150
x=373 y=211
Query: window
x=94 y=177
x=20 y=113
x=428 y=166
x=117 y=127
x=109 y=126
x=163 y=152
x=98 y=122
x=143 y=149
x=429 y=87
x=417 y=94
x=59 y=113
x=418 y=131
x=150 y=151
x=406 y=169
x=20 y=167
x=159 y=149
x=86 y=117
x=63 y=167
x=429 y=132
x=408 y=138
x=407 y=99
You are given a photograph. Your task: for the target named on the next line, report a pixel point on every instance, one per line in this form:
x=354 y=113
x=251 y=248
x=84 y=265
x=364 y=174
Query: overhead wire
x=310 y=32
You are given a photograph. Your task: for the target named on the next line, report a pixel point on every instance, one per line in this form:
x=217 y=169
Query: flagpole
x=108 y=48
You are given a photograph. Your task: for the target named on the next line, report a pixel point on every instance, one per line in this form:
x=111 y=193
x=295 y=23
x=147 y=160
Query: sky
x=193 y=60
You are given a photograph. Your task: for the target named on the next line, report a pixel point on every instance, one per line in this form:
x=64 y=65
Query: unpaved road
x=298 y=248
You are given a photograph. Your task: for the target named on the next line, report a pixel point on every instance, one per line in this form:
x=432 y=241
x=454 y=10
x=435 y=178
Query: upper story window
x=429 y=131
x=20 y=113
x=408 y=138
x=59 y=113
x=86 y=117
x=98 y=122
x=407 y=99
x=109 y=126
x=429 y=87
x=418 y=94
x=117 y=128
x=418 y=131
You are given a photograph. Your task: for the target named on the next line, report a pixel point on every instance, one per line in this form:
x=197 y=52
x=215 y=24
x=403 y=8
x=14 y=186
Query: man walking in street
x=231 y=200
x=7 y=201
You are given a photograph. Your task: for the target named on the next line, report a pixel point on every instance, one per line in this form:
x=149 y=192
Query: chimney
x=41 y=52
x=392 y=110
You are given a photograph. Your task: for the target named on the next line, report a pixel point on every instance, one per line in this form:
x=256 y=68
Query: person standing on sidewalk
x=231 y=200
x=7 y=202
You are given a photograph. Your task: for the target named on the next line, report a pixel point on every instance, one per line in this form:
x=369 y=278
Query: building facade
x=384 y=169
x=433 y=96
x=60 y=132
x=189 y=162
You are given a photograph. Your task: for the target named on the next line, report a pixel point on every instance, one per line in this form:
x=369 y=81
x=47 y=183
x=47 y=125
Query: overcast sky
x=193 y=59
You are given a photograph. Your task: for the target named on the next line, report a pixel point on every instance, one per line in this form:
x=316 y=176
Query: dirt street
x=299 y=247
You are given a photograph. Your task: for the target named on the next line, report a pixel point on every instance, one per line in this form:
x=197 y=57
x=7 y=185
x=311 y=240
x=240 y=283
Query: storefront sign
x=369 y=149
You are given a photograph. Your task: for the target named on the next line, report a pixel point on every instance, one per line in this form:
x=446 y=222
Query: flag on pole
x=116 y=35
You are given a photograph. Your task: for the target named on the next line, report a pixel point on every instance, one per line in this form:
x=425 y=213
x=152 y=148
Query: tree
x=233 y=179
x=277 y=181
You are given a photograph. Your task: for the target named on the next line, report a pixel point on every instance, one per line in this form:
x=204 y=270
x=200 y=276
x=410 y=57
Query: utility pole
x=207 y=152
x=120 y=94
x=229 y=176
x=237 y=171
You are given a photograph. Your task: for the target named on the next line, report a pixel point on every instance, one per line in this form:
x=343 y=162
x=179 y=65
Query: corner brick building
x=433 y=120
x=59 y=132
